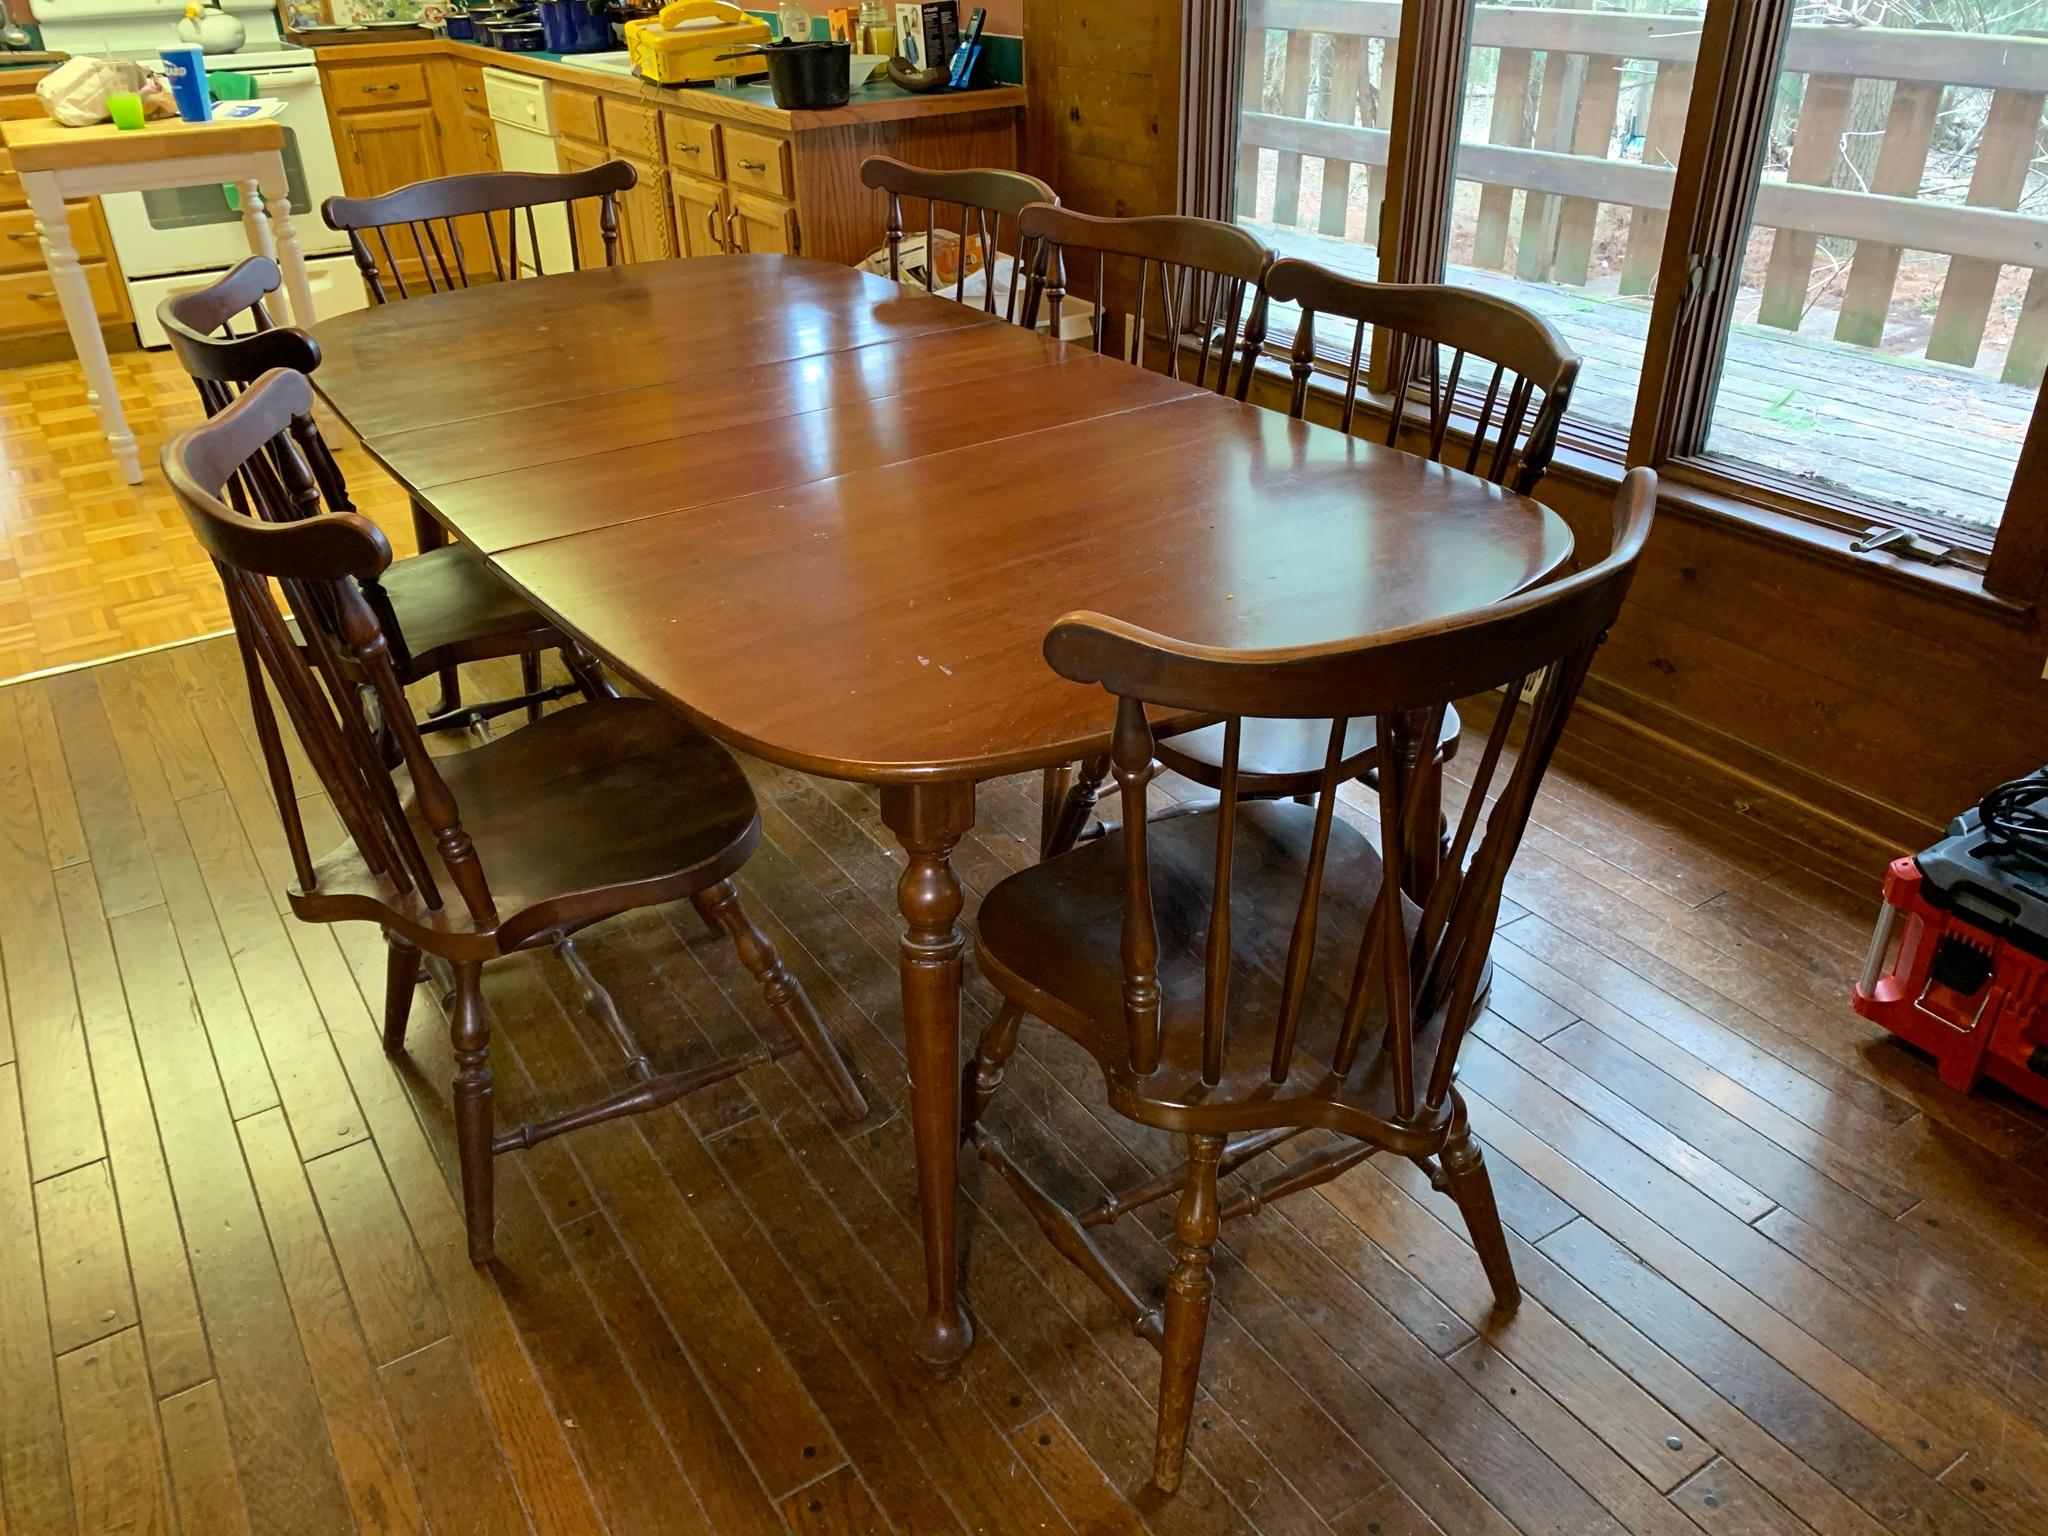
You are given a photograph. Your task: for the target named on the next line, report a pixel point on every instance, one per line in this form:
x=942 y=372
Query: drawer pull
x=753 y=165
x=371 y=90
x=690 y=149
x=21 y=234
x=36 y=293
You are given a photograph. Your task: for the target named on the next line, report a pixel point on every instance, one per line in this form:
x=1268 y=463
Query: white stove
x=184 y=238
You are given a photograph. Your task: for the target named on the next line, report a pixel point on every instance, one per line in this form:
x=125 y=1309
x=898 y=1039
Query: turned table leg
x=74 y=297
x=1415 y=760
x=928 y=819
x=291 y=261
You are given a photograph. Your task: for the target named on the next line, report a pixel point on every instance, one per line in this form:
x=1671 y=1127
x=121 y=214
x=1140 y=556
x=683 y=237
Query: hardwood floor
x=1778 y=1279
x=91 y=567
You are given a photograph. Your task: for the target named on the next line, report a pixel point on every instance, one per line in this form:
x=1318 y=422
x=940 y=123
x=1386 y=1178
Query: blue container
x=186 y=67
x=572 y=26
x=459 y=26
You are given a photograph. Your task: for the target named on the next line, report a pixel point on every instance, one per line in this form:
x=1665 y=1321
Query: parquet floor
x=1779 y=1281
x=91 y=567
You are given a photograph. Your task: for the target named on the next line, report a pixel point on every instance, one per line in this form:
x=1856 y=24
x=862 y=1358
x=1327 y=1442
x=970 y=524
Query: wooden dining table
x=830 y=519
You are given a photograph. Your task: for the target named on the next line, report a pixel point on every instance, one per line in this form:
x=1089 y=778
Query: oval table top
x=831 y=518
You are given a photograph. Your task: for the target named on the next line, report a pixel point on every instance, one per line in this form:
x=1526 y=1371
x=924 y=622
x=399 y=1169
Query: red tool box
x=1968 y=982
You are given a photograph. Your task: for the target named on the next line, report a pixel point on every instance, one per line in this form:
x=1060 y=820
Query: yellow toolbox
x=686 y=44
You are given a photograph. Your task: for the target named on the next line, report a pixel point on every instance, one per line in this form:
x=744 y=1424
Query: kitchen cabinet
x=701 y=217
x=31 y=321
x=762 y=226
x=387 y=147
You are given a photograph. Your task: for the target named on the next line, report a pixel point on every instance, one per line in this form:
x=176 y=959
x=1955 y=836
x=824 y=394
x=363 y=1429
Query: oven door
x=193 y=229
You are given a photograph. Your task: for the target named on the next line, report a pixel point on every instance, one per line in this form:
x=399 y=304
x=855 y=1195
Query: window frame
x=1714 y=193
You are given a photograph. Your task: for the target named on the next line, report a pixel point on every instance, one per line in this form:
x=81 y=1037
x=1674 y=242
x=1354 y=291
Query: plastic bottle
x=794 y=18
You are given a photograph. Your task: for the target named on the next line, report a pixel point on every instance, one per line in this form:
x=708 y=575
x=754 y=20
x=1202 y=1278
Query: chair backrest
x=1416 y=973
x=985 y=199
x=1419 y=320
x=423 y=216
x=323 y=566
x=1208 y=278
x=202 y=328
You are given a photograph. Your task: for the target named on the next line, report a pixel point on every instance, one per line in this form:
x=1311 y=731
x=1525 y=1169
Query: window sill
x=1683 y=494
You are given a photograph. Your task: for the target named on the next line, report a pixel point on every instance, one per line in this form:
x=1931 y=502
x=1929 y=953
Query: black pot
x=807 y=77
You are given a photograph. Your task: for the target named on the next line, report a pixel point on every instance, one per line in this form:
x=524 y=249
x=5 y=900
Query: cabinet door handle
x=732 y=239
x=753 y=165
x=355 y=148
x=711 y=226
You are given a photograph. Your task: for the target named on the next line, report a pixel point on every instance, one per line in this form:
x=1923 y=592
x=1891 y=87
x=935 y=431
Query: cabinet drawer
x=576 y=116
x=694 y=145
x=757 y=162
x=11 y=195
x=469 y=85
x=396 y=84
x=21 y=248
x=632 y=129
x=28 y=300
x=21 y=104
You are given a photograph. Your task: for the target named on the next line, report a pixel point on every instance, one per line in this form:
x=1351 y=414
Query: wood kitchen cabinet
x=701 y=216
x=31 y=321
x=386 y=147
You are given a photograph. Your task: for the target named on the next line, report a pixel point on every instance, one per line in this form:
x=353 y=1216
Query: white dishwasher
x=522 y=112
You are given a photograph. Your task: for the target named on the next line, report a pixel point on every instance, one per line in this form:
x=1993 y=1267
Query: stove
x=184 y=238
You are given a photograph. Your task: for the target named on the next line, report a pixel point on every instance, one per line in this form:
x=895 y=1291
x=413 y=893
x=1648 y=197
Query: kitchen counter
x=746 y=104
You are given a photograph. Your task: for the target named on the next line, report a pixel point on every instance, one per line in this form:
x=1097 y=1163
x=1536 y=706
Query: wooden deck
x=1779 y=1281
x=1926 y=437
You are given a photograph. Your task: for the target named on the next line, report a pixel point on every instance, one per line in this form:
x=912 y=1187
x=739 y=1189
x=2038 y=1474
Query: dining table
x=830 y=519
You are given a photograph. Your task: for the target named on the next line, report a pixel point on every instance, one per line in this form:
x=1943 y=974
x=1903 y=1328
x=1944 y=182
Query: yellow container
x=686 y=43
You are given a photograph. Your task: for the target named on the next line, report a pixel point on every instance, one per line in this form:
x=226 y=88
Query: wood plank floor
x=1779 y=1281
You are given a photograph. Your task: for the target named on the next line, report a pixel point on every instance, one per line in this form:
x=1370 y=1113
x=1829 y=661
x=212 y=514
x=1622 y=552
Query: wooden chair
x=425 y=214
x=590 y=812
x=1178 y=278
x=985 y=198
x=1185 y=280
x=1252 y=971
x=443 y=607
x=1530 y=363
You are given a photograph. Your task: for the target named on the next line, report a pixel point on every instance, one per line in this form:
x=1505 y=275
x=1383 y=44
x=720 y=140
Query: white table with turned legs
x=57 y=164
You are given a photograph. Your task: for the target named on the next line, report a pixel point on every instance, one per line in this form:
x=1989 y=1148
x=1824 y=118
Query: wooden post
x=2003 y=155
x=2026 y=361
x=1509 y=124
x=1293 y=103
x=1254 y=100
x=1382 y=117
x=1670 y=93
x=1347 y=73
x=1557 y=110
x=1815 y=144
x=1592 y=136
x=1901 y=162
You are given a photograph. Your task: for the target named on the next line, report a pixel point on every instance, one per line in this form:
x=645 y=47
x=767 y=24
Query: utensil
x=13 y=34
x=806 y=77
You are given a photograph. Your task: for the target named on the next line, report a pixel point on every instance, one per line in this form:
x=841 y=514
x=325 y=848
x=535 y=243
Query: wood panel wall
x=1885 y=705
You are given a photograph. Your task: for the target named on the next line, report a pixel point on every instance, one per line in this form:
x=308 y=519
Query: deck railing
x=1562 y=156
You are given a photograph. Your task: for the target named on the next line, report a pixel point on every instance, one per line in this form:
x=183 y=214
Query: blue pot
x=460 y=27
x=572 y=26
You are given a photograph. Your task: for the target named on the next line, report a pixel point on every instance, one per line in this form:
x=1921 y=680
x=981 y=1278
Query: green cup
x=125 y=108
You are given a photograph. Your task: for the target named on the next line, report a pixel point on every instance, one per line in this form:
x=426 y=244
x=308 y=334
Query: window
x=1312 y=146
x=1888 y=329
x=1570 y=126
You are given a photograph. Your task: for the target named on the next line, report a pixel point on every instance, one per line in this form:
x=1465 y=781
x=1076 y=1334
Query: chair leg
x=1188 y=1290
x=1052 y=799
x=985 y=1075
x=401 y=976
x=451 y=692
x=1075 y=808
x=1466 y=1182
x=470 y=1031
x=786 y=997
x=529 y=682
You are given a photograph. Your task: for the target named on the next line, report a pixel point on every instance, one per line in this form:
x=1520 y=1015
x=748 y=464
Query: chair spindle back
x=423 y=217
x=1528 y=357
x=323 y=566
x=1410 y=988
x=222 y=361
x=986 y=200
x=1208 y=278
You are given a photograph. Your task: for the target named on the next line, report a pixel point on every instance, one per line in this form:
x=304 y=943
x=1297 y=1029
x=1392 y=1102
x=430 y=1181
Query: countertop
x=749 y=103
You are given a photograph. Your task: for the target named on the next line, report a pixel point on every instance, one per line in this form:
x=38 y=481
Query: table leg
x=74 y=297
x=255 y=218
x=928 y=819
x=1414 y=759
x=290 y=260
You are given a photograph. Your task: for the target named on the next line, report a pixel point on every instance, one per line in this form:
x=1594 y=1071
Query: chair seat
x=595 y=810
x=1282 y=757
x=451 y=607
x=1050 y=936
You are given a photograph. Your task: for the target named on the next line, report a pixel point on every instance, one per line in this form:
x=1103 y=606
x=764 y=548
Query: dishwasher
x=522 y=112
